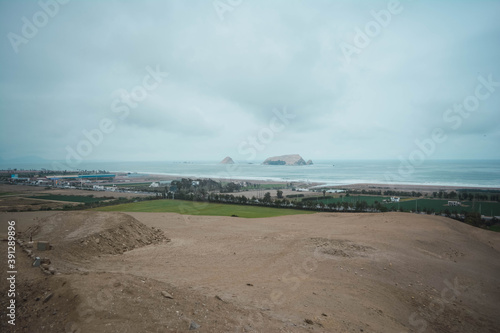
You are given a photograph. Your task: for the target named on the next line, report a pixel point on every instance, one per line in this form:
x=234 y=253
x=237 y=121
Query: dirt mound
x=83 y=235
x=325 y=272
x=340 y=248
x=116 y=302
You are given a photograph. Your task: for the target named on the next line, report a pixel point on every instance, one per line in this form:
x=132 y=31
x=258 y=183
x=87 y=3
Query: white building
x=454 y=203
x=395 y=199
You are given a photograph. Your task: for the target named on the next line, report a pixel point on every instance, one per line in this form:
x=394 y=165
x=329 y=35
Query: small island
x=294 y=159
x=227 y=160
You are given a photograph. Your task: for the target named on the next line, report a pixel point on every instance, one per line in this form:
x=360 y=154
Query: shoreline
x=151 y=176
x=124 y=177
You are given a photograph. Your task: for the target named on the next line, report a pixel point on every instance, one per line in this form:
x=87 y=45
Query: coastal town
x=479 y=204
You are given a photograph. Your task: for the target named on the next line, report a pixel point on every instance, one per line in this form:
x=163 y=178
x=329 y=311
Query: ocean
x=483 y=173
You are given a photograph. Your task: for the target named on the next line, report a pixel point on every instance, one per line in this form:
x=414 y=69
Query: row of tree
x=461 y=195
x=466 y=196
x=387 y=193
x=204 y=186
x=280 y=202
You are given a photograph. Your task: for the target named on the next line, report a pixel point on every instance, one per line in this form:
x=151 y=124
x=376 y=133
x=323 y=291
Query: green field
x=201 y=208
x=69 y=198
x=134 y=185
x=269 y=186
x=5 y=193
x=495 y=228
x=486 y=208
x=439 y=205
x=370 y=200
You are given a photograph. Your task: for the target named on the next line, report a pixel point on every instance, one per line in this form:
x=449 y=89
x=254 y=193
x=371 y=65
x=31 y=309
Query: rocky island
x=294 y=159
x=227 y=160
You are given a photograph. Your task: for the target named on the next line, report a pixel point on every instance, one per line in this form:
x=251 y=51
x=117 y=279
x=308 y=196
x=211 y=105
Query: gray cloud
x=226 y=77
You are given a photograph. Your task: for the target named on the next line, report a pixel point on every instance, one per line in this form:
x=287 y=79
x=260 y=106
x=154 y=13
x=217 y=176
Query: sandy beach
x=121 y=177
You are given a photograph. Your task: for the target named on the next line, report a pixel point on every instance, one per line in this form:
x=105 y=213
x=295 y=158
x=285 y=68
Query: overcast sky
x=351 y=87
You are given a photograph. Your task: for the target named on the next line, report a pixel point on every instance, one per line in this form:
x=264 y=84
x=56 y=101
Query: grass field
x=495 y=228
x=269 y=186
x=354 y=198
x=439 y=205
x=134 y=184
x=69 y=198
x=201 y=208
x=5 y=193
x=486 y=208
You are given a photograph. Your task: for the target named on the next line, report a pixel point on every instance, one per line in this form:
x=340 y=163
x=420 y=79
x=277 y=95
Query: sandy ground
x=324 y=272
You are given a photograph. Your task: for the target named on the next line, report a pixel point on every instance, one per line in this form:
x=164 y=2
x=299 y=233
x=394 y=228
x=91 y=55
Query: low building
x=395 y=199
x=454 y=203
x=14 y=178
x=83 y=177
x=43 y=182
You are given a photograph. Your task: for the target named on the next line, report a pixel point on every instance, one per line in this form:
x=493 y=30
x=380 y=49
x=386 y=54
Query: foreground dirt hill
x=70 y=296
x=390 y=272
x=81 y=236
